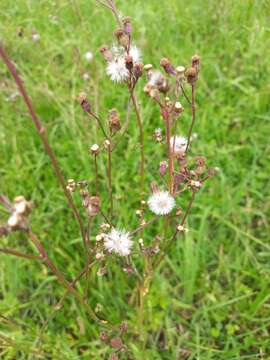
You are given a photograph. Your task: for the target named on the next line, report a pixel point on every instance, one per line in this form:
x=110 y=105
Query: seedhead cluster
x=172 y=89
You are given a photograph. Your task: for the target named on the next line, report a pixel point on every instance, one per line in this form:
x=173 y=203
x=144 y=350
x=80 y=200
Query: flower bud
x=191 y=75
x=127 y=25
x=116 y=342
x=195 y=62
x=167 y=66
x=94 y=149
x=106 y=53
x=163 y=168
x=138 y=70
x=82 y=98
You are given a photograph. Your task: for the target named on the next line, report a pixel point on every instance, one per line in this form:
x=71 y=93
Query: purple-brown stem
x=60 y=277
x=140 y=125
x=193 y=109
x=43 y=137
x=166 y=118
x=19 y=254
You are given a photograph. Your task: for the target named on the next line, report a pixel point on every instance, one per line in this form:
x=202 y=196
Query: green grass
x=210 y=299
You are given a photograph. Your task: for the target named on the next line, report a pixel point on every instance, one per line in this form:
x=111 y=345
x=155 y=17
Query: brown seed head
x=114 y=121
x=122 y=37
x=191 y=75
x=94 y=206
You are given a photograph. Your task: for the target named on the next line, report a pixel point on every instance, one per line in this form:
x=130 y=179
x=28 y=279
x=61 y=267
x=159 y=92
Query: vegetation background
x=211 y=298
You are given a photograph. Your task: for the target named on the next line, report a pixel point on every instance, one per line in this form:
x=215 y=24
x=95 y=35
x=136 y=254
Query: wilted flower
x=161 y=203
x=118 y=241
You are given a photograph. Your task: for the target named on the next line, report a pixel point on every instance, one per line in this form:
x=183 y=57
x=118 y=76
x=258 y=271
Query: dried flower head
x=93 y=206
x=106 y=53
x=161 y=203
x=122 y=37
x=114 y=121
x=118 y=241
x=82 y=98
x=191 y=75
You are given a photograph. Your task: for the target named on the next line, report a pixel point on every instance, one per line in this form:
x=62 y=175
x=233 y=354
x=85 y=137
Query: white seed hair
x=178 y=144
x=161 y=203
x=118 y=241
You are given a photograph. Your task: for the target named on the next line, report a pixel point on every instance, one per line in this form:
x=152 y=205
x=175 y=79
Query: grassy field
x=211 y=297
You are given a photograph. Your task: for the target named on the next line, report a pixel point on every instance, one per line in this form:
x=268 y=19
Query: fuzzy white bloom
x=135 y=53
x=161 y=203
x=178 y=144
x=13 y=220
x=116 y=69
x=118 y=241
x=35 y=37
x=155 y=78
x=88 y=56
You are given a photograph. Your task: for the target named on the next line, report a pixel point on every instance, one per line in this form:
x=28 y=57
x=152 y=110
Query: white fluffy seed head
x=118 y=241
x=13 y=220
x=116 y=70
x=88 y=56
x=135 y=53
x=161 y=203
x=178 y=144
x=35 y=37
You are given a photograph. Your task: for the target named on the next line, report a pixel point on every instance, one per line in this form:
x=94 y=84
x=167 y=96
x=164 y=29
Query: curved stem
x=42 y=135
x=140 y=125
x=60 y=277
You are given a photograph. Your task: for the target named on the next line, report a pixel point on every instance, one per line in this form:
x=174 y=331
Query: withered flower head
x=94 y=206
x=106 y=53
x=82 y=99
x=114 y=121
x=138 y=70
x=195 y=62
x=191 y=75
x=167 y=66
x=122 y=37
